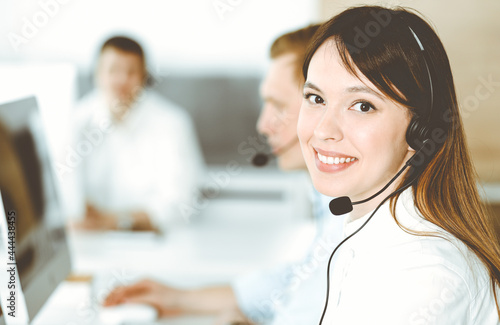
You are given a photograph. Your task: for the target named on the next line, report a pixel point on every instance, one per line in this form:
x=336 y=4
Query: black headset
x=419 y=132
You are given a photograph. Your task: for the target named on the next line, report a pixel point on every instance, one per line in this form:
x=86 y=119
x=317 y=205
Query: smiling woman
x=343 y=120
x=379 y=97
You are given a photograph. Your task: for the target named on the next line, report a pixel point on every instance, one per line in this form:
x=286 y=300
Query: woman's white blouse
x=383 y=275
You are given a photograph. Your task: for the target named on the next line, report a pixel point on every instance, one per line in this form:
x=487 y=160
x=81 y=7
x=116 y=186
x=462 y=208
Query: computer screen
x=28 y=190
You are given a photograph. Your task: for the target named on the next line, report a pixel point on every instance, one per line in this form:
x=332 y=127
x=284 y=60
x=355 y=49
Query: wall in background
x=470 y=31
x=194 y=35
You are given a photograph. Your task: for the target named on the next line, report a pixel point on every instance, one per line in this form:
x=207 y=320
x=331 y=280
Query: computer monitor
x=28 y=187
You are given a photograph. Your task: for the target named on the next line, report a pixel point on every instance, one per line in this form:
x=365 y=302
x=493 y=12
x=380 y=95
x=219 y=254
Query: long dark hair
x=385 y=45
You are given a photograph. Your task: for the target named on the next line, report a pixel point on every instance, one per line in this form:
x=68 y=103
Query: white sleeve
x=260 y=294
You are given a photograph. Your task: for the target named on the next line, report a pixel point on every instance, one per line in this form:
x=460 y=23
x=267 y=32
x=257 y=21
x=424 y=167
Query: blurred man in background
x=140 y=155
x=288 y=294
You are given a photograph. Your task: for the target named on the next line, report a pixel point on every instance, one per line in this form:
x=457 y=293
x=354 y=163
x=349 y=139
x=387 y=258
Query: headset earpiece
x=417 y=134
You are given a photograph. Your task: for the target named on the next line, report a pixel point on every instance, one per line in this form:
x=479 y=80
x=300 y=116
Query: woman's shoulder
x=439 y=274
x=433 y=243
x=414 y=245
x=437 y=255
x=434 y=280
x=414 y=261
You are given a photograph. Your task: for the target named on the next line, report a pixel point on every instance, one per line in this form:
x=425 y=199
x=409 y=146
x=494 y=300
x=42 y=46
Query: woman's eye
x=363 y=107
x=314 y=99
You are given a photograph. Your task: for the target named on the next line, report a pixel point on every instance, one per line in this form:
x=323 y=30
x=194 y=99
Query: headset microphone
x=261 y=159
x=343 y=204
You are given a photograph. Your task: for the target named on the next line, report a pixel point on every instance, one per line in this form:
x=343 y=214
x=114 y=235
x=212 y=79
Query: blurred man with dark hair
x=121 y=72
x=140 y=156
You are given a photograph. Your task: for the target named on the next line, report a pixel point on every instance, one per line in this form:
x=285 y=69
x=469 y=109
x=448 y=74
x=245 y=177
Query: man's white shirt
x=150 y=161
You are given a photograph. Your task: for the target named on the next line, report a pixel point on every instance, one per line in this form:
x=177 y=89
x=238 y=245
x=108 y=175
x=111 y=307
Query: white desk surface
x=230 y=238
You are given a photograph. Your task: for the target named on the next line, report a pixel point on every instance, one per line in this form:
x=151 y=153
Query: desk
x=230 y=237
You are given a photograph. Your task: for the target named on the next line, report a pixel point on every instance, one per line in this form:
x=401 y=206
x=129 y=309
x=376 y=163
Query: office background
x=209 y=56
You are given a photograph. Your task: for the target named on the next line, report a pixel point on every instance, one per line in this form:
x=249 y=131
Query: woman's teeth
x=334 y=160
